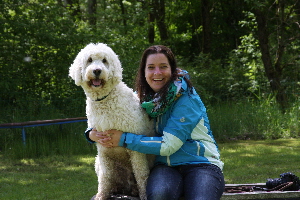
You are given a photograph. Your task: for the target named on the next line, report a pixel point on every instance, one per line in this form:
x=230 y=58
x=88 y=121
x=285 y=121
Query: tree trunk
x=151 y=20
x=273 y=72
x=123 y=16
x=92 y=7
x=159 y=7
x=206 y=37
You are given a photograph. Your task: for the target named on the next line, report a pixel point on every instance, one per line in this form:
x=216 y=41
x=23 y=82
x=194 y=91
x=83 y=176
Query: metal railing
x=24 y=125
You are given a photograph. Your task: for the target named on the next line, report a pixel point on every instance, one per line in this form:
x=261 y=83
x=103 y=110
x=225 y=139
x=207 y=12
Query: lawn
x=54 y=177
x=251 y=161
x=63 y=177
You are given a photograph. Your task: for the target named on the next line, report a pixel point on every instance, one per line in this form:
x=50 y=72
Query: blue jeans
x=193 y=182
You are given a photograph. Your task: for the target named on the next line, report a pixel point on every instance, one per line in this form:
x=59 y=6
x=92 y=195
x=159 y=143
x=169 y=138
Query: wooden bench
x=24 y=125
x=257 y=194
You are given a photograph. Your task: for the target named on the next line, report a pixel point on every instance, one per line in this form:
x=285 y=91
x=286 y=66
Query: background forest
x=243 y=57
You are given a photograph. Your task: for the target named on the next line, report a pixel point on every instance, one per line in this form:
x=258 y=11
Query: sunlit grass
x=254 y=161
x=72 y=177
x=54 y=177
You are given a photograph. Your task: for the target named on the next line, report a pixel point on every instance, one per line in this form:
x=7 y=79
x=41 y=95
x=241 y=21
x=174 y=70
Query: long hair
x=141 y=86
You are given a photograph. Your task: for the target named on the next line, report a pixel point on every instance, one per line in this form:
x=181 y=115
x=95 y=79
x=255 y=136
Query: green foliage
x=44 y=140
x=39 y=42
x=253 y=120
x=40 y=39
x=66 y=139
x=237 y=120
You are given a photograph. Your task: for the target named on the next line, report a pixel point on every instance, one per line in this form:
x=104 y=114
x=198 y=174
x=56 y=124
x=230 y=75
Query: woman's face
x=157 y=71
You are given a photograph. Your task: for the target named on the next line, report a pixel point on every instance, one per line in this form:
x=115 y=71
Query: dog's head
x=97 y=69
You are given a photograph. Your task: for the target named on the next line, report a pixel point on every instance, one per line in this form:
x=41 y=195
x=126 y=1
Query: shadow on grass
x=54 y=177
x=256 y=161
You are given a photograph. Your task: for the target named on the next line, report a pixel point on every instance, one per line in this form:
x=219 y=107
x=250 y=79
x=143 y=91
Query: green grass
x=53 y=177
x=72 y=177
x=257 y=120
x=57 y=163
x=65 y=139
x=254 y=161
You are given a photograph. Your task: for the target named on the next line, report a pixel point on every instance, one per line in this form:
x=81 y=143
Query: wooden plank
x=259 y=194
x=262 y=195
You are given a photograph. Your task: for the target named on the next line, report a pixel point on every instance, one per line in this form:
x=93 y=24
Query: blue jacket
x=183 y=135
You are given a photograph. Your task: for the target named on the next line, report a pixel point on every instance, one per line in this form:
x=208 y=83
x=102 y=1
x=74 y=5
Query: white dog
x=111 y=104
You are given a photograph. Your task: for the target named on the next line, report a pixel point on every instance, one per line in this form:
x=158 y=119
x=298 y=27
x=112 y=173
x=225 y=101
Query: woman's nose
x=157 y=70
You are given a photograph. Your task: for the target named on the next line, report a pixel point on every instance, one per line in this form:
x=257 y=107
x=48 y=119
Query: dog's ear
x=75 y=72
x=116 y=70
x=115 y=67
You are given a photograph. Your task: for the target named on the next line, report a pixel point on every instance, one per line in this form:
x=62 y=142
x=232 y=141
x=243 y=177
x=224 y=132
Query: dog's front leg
x=105 y=176
x=140 y=170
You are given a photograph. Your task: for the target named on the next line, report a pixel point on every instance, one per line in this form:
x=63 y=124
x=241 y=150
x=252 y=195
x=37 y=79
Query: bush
x=260 y=119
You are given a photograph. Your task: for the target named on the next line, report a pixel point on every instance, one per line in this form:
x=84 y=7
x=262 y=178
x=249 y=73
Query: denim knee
x=164 y=183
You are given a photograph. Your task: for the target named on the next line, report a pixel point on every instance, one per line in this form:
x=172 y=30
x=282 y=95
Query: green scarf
x=156 y=106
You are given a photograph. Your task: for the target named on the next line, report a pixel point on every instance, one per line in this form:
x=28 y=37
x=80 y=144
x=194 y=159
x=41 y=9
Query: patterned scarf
x=156 y=106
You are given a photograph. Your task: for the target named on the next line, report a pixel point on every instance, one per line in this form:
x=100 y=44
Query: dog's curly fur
x=111 y=104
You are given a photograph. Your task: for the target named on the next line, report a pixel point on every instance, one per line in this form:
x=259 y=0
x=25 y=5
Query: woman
x=187 y=158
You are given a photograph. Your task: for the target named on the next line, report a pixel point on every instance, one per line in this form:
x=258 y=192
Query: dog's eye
x=104 y=60
x=90 y=60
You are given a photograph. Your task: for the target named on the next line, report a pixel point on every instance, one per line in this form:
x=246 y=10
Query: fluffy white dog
x=111 y=104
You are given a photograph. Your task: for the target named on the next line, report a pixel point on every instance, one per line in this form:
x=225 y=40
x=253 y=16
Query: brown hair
x=141 y=85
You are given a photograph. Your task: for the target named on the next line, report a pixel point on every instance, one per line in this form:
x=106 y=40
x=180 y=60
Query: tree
x=276 y=32
x=39 y=45
x=157 y=14
x=124 y=15
x=92 y=8
x=159 y=6
x=203 y=34
x=151 y=21
x=206 y=23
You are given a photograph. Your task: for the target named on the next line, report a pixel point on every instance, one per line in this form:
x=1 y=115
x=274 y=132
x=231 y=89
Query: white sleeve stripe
x=151 y=141
x=170 y=144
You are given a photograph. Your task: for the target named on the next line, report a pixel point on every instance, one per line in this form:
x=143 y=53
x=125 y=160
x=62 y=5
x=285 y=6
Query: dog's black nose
x=97 y=72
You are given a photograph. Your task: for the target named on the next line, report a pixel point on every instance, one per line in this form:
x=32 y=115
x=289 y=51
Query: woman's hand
x=108 y=138
x=94 y=135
